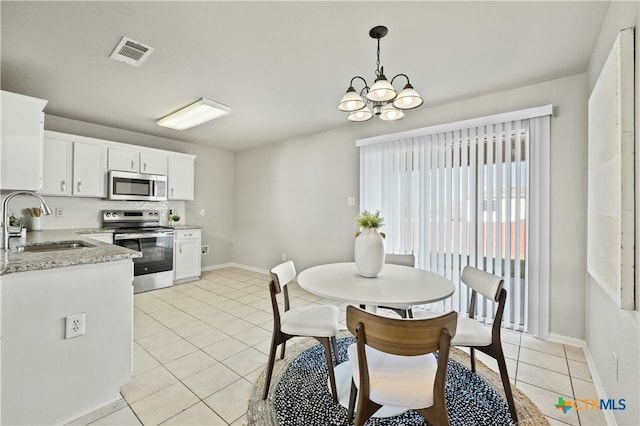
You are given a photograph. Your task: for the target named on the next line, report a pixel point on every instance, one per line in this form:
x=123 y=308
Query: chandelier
x=381 y=98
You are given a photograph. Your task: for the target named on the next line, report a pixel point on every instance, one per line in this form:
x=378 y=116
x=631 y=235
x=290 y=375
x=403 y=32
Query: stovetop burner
x=149 y=229
x=133 y=221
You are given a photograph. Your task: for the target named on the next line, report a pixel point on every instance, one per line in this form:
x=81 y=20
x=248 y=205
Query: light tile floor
x=200 y=346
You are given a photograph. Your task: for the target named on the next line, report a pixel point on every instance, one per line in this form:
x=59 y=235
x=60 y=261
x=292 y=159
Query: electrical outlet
x=59 y=212
x=204 y=250
x=284 y=257
x=201 y=212
x=75 y=325
x=351 y=201
x=614 y=365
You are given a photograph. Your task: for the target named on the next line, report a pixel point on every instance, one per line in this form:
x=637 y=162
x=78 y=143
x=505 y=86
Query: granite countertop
x=14 y=261
x=93 y=231
x=179 y=227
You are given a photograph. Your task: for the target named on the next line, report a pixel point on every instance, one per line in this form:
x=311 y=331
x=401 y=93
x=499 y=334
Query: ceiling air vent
x=131 y=52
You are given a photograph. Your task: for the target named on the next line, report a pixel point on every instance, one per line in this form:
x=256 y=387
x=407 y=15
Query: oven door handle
x=118 y=237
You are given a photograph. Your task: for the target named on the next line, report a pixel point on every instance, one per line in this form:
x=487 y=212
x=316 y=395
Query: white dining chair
x=392 y=363
x=319 y=322
x=475 y=335
x=406 y=260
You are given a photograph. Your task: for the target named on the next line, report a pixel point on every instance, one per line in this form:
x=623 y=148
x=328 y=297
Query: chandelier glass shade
x=381 y=98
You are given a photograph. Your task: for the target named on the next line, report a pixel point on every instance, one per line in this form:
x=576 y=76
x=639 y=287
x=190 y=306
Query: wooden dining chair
x=392 y=363
x=475 y=335
x=319 y=322
x=406 y=260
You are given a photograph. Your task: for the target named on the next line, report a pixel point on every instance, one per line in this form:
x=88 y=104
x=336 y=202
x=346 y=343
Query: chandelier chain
x=378 y=60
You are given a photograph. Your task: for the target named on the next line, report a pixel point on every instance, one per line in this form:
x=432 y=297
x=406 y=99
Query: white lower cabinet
x=186 y=255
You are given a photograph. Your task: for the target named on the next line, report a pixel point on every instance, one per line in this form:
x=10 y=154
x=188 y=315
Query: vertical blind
x=454 y=198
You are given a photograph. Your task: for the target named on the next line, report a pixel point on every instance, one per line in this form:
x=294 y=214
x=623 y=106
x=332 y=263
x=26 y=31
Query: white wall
x=291 y=197
x=214 y=186
x=611 y=330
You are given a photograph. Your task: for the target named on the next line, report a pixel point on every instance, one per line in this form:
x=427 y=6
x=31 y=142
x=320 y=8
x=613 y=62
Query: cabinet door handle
x=79 y=186
x=172 y=192
x=133 y=163
x=180 y=249
x=145 y=166
x=63 y=186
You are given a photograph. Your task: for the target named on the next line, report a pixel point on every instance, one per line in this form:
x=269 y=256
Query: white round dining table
x=394 y=285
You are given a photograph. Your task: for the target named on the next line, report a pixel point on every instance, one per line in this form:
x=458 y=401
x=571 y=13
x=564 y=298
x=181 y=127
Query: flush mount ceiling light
x=381 y=98
x=192 y=115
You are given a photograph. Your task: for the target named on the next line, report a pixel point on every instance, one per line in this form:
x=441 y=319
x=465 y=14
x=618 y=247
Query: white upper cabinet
x=57 y=166
x=21 y=142
x=89 y=169
x=73 y=167
x=151 y=163
x=180 y=178
x=78 y=166
x=136 y=161
x=127 y=160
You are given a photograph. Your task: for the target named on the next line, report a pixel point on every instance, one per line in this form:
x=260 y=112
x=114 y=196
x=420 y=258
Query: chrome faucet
x=5 y=214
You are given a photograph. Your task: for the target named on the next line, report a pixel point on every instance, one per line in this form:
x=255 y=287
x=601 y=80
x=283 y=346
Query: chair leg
x=282 y=349
x=472 y=356
x=352 y=401
x=272 y=358
x=409 y=313
x=504 y=374
x=332 y=376
x=366 y=409
x=335 y=349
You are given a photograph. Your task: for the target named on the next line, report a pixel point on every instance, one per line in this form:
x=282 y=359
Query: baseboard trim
x=90 y=415
x=600 y=390
x=566 y=340
x=235 y=265
x=597 y=383
x=214 y=267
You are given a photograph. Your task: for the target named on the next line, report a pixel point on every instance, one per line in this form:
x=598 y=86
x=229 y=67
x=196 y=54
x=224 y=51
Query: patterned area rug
x=299 y=394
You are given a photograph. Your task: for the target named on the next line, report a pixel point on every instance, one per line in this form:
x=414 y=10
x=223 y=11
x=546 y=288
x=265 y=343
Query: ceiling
x=281 y=66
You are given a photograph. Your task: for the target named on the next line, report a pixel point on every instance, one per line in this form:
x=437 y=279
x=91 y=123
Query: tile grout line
x=241 y=377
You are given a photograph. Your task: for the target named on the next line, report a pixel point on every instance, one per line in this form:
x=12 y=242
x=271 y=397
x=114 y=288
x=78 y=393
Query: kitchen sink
x=63 y=245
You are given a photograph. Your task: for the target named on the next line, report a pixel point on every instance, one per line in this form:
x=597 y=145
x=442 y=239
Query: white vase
x=369 y=253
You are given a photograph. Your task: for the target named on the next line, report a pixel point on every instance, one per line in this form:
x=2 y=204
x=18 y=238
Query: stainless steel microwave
x=137 y=186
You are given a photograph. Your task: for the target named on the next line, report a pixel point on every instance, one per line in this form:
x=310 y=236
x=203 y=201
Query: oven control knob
x=115 y=214
x=150 y=214
x=155 y=214
x=108 y=215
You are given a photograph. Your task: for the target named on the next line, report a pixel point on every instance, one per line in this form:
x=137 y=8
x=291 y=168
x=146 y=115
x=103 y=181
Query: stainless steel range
x=140 y=230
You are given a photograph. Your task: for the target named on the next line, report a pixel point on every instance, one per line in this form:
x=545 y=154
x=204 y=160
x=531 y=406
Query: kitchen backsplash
x=79 y=212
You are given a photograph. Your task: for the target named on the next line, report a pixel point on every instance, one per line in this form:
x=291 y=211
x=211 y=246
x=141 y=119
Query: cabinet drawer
x=187 y=233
